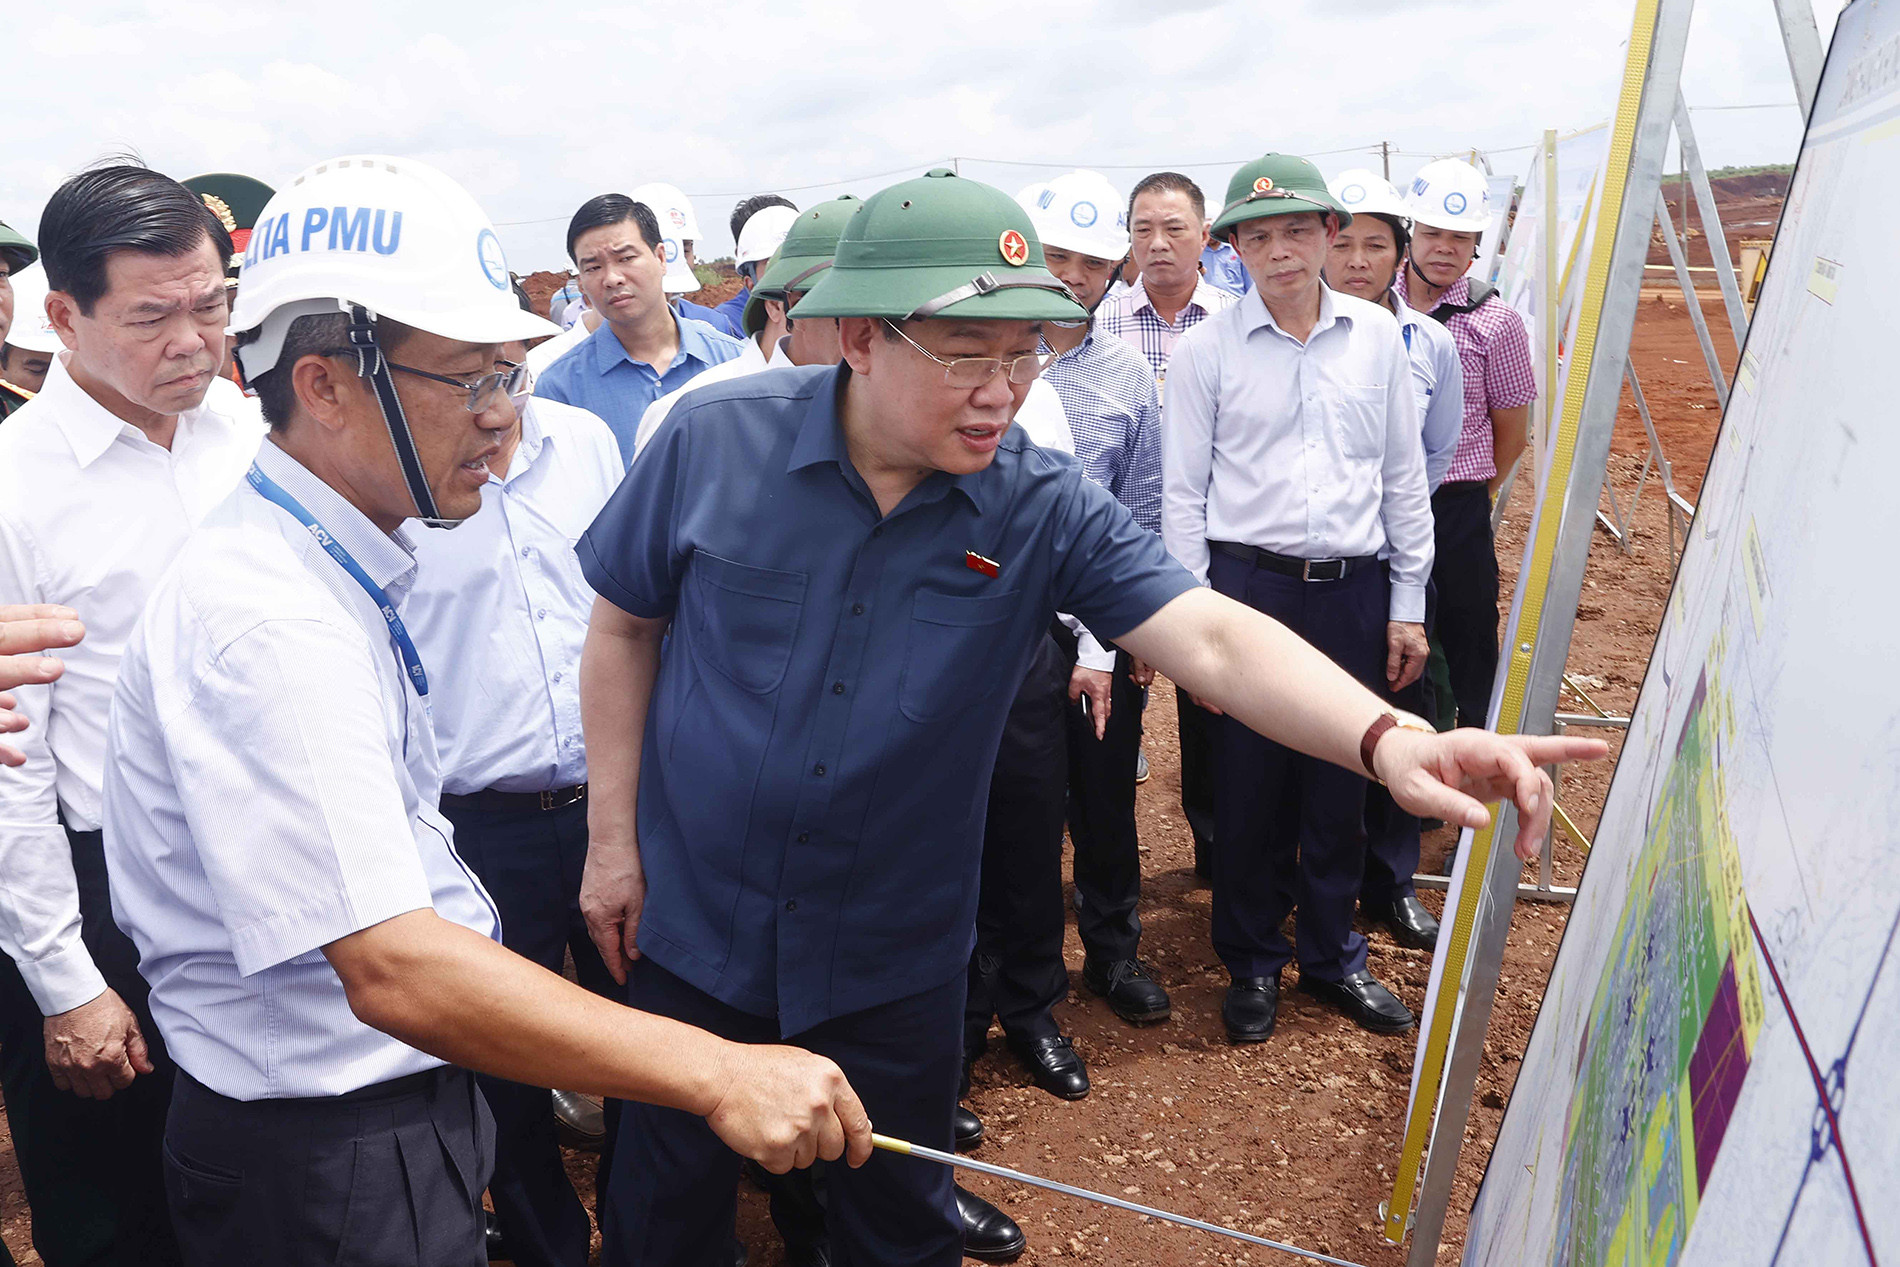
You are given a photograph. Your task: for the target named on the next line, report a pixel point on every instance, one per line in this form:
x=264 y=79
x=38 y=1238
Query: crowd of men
x=774 y=651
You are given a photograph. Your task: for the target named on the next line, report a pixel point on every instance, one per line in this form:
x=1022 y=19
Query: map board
x=1714 y=1077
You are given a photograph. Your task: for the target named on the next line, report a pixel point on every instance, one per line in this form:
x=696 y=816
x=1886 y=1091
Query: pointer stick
x=1003 y=1172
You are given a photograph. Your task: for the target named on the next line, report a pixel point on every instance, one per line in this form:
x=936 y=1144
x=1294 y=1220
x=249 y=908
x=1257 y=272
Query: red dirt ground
x=1295 y=1139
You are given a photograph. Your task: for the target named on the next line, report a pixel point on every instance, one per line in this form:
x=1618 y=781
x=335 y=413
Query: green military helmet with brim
x=941 y=246
x=1276 y=185
x=15 y=249
x=805 y=253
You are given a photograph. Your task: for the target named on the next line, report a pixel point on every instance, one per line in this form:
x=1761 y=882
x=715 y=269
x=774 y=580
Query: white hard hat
x=1449 y=193
x=391 y=235
x=678 y=226
x=761 y=235
x=373 y=236
x=1362 y=191
x=31 y=331
x=1079 y=212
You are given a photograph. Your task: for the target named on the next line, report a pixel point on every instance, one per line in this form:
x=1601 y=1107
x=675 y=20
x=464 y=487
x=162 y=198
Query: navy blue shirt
x=819 y=746
x=598 y=375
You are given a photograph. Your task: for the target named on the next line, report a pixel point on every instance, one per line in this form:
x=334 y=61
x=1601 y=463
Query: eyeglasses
x=481 y=393
x=974 y=371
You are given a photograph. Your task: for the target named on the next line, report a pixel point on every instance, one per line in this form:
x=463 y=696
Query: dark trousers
x=1016 y=971
x=530 y=861
x=388 y=1176
x=90 y=1167
x=1102 y=821
x=1391 y=833
x=673 y=1191
x=1465 y=572
x=1196 y=729
x=1290 y=832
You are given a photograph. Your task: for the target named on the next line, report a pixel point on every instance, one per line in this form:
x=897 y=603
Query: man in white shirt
x=502 y=600
x=130 y=442
x=1293 y=470
x=316 y=946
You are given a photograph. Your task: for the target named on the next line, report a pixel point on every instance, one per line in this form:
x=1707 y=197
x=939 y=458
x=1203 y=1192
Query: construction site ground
x=1295 y=1139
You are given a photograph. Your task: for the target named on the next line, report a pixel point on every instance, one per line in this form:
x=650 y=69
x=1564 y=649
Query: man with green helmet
x=819 y=590
x=1295 y=482
x=16 y=254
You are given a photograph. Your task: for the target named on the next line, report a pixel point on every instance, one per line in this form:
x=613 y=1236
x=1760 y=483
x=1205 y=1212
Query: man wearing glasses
x=502 y=600
x=129 y=444
x=819 y=592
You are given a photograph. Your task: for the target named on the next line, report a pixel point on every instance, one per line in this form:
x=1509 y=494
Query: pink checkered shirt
x=1129 y=315
x=1495 y=352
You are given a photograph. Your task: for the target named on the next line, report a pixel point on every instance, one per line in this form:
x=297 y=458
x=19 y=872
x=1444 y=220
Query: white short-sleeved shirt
x=501 y=606
x=271 y=787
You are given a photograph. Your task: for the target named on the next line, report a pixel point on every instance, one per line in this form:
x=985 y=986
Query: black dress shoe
x=988 y=1233
x=1054 y=1064
x=1250 y=1006
x=1364 y=1001
x=966 y=1128
x=1132 y=994
x=1406 y=918
x=498 y=1251
x=579 y=1121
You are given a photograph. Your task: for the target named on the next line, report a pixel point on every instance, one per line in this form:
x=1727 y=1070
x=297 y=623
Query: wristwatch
x=1388 y=720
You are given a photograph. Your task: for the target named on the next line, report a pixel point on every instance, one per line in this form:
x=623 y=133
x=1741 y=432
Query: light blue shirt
x=1439 y=380
x=600 y=377
x=1221 y=265
x=271 y=787
x=1310 y=450
x=502 y=603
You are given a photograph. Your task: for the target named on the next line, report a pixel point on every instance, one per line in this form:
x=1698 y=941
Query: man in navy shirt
x=642 y=350
x=855 y=565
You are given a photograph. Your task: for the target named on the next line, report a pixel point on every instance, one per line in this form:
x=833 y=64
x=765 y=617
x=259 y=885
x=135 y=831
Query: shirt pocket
x=951 y=656
x=1362 y=421
x=745 y=620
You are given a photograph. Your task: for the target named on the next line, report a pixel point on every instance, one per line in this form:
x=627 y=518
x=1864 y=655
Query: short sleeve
x=1509 y=378
x=282 y=762
x=628 y=554
x=1111 y=573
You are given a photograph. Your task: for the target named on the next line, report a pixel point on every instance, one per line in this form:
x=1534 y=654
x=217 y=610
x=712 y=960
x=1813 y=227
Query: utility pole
x=1385 y=157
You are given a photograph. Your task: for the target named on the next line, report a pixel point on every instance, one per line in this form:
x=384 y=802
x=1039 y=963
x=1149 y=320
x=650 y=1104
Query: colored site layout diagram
x=1672 y=1025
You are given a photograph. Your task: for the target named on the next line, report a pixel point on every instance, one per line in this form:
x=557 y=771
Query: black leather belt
x=517 y=802
x=1287 y=565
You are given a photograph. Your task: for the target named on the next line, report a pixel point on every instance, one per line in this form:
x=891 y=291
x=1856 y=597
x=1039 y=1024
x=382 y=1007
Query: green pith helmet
x=243 y=196
x=941 y=246
x=804 y=254
x=15 y=249
x=1276 y=185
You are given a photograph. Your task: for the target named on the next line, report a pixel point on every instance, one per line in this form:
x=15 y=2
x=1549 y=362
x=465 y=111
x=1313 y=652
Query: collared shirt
x=1495 y=351
x=500 y=604
x=1306 y=449
x=272 y=788
x=1220 y=264
x=751 y=360
x=92 y=515
x=830 y=703
x=599 y=375
x=1439 y=381
x=1129 y=315
x=1109 y=397
x=714 y=317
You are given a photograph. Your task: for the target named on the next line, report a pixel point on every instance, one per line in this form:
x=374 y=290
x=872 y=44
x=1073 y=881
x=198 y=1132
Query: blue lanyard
x=1407 y=332
x=405 y=648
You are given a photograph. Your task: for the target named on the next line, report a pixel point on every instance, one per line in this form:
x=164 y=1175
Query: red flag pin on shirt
x=977 y=563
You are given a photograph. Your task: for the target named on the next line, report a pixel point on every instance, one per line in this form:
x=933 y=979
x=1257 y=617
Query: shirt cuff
x=63 y=980
x=1091 y=654
x=1407 y=604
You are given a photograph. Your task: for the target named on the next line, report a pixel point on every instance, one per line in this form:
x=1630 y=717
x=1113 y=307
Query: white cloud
x=536 y=108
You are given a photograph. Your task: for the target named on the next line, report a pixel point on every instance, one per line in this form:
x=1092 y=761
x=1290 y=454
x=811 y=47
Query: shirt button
x=819 y=769
x=804 y=837
x=792 y=905
x=526 y=551
x=837 y=688
x=556 y=678
x=542 y=614
x=857 y=609
x=878 y=531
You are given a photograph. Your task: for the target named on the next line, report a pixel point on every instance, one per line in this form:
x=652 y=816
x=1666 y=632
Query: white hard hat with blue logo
x=1449 y=193
x=1079 y=211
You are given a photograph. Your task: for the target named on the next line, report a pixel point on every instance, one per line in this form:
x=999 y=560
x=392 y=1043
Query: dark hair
x=1168 y=182
x=1401 y=236
x=606 y=209
x=122 y=207
x=313 y=335
x=521 y=295
x=751 y=207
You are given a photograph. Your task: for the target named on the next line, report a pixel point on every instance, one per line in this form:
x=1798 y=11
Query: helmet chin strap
x=371 y=366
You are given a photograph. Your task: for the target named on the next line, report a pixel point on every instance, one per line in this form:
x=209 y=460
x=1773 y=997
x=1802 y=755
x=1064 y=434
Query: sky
x=536 y=108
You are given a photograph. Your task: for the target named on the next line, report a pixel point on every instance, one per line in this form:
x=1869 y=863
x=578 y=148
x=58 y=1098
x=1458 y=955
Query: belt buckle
x=1339 y=570
x=561 y=798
